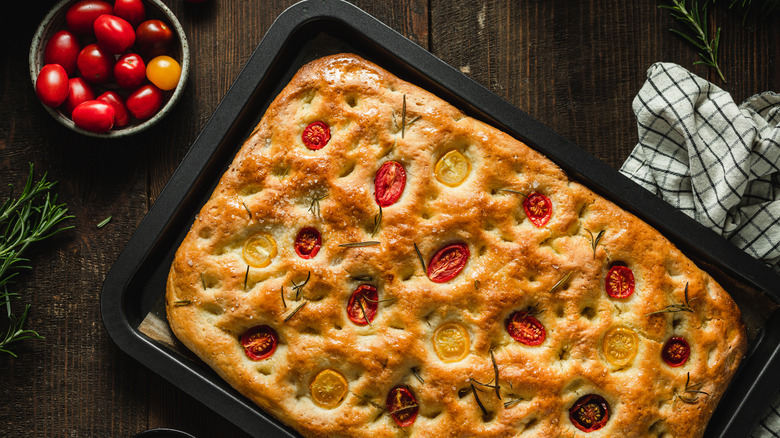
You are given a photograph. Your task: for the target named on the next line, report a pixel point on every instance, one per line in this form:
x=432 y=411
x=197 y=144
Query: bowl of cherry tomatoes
x=109 y=68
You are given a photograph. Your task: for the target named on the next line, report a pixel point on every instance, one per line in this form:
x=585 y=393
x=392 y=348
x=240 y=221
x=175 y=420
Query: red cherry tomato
x=131 y=10
x=316 y=135
x=362 y=305
x=448 y=262
x=538 y=208
x=94 y=115
x=144 y=102
x=389 y=183
x=308 y=243
x=402 y=405
x=525 y=328
x=130 y=71
x=590 y=412
x=121 y=117
x=62 y=48
x=113 y=33
x=82 y=15
x=676 y=352
x=51 y=86
x=95 y=64
x=153 y=38
x=619 y=281
x=259 y=342
x=79 y=91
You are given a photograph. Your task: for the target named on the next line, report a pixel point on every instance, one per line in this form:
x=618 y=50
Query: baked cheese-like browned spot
x=446 y=344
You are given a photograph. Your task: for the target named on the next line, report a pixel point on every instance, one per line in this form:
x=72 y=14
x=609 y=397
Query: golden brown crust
x=213 y=298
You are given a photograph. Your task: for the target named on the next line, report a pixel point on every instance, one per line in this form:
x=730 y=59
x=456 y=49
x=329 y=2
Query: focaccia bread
x=374 y=263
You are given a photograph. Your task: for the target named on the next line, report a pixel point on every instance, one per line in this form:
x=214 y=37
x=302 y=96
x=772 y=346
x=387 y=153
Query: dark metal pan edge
x=113 y=300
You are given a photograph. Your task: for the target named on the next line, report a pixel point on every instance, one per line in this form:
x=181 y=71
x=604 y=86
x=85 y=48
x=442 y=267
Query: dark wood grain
x=575 y=66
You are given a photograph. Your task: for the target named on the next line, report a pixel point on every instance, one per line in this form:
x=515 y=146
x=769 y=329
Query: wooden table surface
x=575 y=66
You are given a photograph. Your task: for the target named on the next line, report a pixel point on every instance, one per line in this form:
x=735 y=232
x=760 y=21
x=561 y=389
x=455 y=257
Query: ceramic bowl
x=155 y=9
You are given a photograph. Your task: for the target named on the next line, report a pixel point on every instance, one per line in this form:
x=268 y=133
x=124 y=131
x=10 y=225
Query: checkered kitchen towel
x=717 y=161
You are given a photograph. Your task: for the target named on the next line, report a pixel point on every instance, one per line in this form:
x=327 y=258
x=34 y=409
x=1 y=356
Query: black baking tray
x=136 y=283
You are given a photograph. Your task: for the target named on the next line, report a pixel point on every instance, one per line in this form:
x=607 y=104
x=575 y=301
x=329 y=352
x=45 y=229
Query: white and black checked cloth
x=717 y=161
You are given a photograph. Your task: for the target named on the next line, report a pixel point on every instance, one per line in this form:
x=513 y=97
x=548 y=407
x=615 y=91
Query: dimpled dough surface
x=556 y=272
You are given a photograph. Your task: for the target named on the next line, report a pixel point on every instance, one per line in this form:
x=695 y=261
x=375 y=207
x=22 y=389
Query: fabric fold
x=717 y=161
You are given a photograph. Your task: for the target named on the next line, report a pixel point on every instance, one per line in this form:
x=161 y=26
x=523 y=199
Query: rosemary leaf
x=360 y=244
x=246 y=277
x=419 y=256
x=363 y=310
x=181 y=303
x=495 y=371
x=281 y=292
x=403 y=118
x=287 y=318
x=560 y=282
x=363 y=278
x=247 y=210
x=377 y=221
x=479 y=402
x=104 y=222
x=510 y=403
x=415 y=371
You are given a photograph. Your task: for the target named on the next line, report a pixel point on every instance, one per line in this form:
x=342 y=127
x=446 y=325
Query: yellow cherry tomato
x=452 y=169
x=620 y=345
x=328 y=389
x=259 y=250
x=164 y=72
x=451 y=342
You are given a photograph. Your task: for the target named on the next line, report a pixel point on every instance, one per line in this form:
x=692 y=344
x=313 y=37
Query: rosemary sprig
x=685 y=306
x=695 y=19
x=594 y=241
x=298 y=287
x=32 y=217
x=314 y=207
x=419 y=256
x=16 y=332
x=691 y=393
x=287 y=318
x=377 y=221
x=360 y=244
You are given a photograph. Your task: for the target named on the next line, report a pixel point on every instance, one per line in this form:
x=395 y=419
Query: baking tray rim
x=473 y=95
